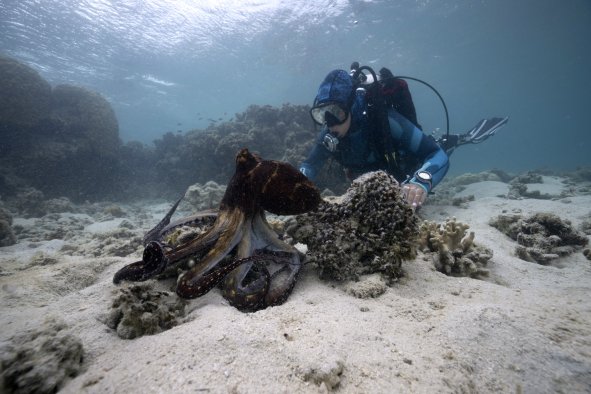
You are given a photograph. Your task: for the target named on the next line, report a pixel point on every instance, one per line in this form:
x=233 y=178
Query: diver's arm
x=316 y=159
x=436 y=164
x=413 y=140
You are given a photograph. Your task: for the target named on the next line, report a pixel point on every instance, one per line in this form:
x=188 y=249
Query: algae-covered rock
x=371 y=230
x=453 y=248
x=41 y=360
x=542 y=237
x=139 y=309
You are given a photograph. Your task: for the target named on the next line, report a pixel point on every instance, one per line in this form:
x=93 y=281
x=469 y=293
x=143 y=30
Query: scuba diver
x=369 y=123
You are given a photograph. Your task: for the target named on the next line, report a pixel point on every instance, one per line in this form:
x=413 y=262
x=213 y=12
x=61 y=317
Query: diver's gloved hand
x=414 y=194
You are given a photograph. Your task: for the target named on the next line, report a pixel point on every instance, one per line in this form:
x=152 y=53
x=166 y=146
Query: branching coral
x=371 y=230
x=454 y=250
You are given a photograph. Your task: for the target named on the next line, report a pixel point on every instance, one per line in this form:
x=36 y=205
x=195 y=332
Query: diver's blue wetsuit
x=413 y=150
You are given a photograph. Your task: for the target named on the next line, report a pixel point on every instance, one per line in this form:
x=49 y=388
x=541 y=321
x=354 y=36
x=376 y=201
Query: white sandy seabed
x=526 y=328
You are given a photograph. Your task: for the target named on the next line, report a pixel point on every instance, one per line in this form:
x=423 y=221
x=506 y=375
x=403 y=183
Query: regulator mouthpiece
x=330 y=142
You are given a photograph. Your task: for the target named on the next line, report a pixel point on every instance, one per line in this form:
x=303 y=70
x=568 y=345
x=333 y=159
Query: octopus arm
x=208 y=272
x=152 y=263
x=199 y=218
x=282 y=280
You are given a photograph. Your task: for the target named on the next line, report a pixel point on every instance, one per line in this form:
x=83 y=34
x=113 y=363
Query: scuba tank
x=365 y=78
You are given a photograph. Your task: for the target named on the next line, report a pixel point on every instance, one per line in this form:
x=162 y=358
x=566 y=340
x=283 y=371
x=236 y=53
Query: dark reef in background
x=285 y=134
x=62 y=141
x=65 y=142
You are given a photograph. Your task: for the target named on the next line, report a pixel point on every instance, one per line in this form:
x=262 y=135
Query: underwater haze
x=176 y=65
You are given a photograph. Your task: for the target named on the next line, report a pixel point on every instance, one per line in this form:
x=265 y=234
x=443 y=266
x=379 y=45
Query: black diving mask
x=331 y=114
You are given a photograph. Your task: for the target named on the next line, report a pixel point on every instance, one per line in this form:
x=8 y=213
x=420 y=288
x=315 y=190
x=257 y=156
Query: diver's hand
x=415 y=195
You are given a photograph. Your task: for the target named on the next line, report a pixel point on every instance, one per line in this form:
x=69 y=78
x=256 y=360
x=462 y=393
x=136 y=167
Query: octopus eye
x=246 y=160
x=286 y=191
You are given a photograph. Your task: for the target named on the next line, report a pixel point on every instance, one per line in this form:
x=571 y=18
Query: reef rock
x=25 y=98
x=77 y=155
x=283 y=133
x=29 y=202
x=518 y=187
x=468 y=178
x=542 y=237
x=7 y=236
x=64 y=142
x=585 y=226
x=87 y=120
x=453 y=248
x=203 y=197
x=371 y=230
x=139 y=310
x=40 y=360
x=204 y=155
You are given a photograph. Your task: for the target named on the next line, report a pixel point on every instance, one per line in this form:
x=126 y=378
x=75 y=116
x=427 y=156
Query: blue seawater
x=169 y=65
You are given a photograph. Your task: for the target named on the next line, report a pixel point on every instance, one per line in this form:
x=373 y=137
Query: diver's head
x=332 y=105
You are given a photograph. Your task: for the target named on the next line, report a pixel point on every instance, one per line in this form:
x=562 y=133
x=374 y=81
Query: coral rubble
x=370 y=286
x=518 y=187
x=326 y=373
x=139 y=310
x=41 y=360
x=371 y=230
x=542 y=237
x=454 y=251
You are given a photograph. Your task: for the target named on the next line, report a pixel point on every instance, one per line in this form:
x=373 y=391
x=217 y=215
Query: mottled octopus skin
x=240 y=227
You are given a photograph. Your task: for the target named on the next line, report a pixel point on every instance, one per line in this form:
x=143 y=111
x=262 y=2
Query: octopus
x=240 y=249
